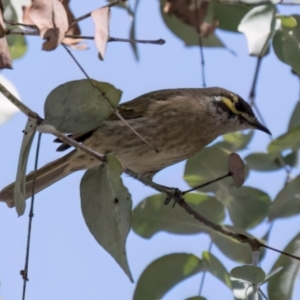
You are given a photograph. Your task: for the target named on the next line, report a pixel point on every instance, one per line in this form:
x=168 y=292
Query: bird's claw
x=173 y=194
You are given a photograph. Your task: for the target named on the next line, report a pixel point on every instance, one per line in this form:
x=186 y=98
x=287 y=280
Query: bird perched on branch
x=176 y=122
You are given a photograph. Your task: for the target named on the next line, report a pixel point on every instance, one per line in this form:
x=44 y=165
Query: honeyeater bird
x=177 y=122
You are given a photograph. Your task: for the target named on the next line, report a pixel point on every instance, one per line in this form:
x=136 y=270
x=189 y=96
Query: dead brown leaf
x=207 y=29
x=101 y=18
x=5 y=60
x=26 y=18
x=237 y=168
x=188 y=12
x=73 y=30
x=51 y=18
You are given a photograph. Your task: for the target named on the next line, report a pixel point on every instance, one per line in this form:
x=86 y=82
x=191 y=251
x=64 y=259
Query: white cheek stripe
x=218 y=98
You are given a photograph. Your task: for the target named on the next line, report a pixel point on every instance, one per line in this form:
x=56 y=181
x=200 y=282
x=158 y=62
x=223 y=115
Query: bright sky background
x=65 y=260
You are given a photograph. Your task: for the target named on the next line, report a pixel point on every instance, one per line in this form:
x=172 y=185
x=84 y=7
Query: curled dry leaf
x=5 y=60
x=101 y=18
x=51 y=18
x=72 y=30
x=237 y=168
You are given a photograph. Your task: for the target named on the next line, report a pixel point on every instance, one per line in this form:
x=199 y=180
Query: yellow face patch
x=230 y=103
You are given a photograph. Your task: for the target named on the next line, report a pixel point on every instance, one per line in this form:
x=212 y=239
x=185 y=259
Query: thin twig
x=207 y=183
x=155 y=42
x=200 y=42
x=252 y=93
x=48 y=129
x=262 y=294
x=202 y=60
x=25 y=271
x=14 y=23
x=45 y=128
x=115 y=111
x=242 y=238
x=21 y=106
x=89 y=14
x=204 y=272
x=256 y=3
x=85 y=37
x=279 y=251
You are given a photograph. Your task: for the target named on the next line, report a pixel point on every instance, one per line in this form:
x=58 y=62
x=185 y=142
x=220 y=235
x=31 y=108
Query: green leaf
x=78 y=106
x=287 y=201
x=249 y=273
x=106 y=208
x=296 y=30
x=278 y=45
x=196 y=298
x=212 y=264
x=208 y=164
x=152 y=215
x=291 y=159
x=187 y=33
x=291 y=51
x=287 y=22
x=238 y=140
x=164 y=273
x=17 y=46
x=258 y=26
x=264 y=161
x=281 y=285
x=19 y=188
x=231 y=248
x=271 y=274
x=240 y=289
x=286 y=45
x=289 y=140
x=247 y=206
x=295 y=118
x=230 y=15
x=132 y=30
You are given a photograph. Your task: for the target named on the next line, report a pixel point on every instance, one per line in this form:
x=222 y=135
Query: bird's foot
x=173 y=194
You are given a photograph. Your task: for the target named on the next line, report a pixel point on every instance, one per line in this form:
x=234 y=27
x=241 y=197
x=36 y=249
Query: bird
x=176 y=122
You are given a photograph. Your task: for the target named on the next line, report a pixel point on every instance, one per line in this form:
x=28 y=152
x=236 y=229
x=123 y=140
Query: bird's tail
x=44 y=177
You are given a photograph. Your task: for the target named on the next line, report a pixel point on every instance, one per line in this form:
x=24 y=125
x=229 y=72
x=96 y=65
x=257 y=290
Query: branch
x=85 y=37
x=175 y=193
x=21 y=106
x=114 y=110
x=257 y=3
x=89 y=14
x=48 y=128
x=252 y=93
x=45 y=128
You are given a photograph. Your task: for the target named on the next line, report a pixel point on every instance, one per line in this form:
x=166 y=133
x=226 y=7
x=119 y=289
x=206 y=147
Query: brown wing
x=137 y=107
x=133 y=109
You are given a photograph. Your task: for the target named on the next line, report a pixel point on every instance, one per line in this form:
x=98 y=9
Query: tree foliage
x=106 y=203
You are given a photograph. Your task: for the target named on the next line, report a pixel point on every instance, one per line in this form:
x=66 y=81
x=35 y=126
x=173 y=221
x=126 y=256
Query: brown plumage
x=177 y=122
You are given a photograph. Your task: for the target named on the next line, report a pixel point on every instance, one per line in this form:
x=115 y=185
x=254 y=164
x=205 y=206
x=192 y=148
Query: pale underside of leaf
x=258 y=26
x=19 y=189
x=101 y=18
x=51 y=18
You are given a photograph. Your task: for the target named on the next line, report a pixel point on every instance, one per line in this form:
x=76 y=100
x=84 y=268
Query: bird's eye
x=238 y=106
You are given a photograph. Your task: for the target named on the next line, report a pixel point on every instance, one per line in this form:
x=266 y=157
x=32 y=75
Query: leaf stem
x=114 y=110
x=207 y=183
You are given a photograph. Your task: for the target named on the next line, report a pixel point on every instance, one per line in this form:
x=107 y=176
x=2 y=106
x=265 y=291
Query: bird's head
x=234 y=112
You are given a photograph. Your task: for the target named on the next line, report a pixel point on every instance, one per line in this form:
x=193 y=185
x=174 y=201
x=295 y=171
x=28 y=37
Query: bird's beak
x=257 y=125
